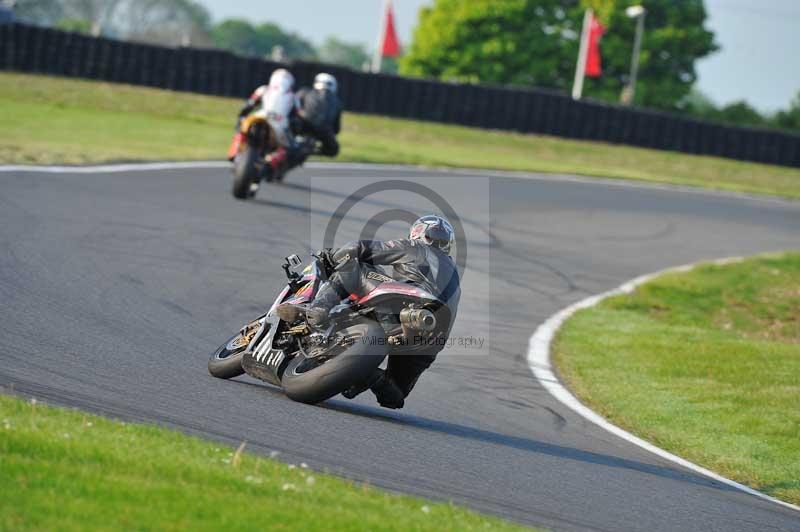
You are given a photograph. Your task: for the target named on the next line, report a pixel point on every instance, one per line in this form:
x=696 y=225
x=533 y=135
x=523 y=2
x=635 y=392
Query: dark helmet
x=433 y=230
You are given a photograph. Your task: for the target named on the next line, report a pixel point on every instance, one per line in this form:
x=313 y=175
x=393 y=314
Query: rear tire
x=227 y=363
x=355 y=364
x=245 y=172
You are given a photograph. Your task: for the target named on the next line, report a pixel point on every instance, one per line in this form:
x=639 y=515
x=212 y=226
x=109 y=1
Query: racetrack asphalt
x=116 y=287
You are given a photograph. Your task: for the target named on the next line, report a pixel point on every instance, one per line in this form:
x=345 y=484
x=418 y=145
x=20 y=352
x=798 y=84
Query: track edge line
x=540 y=365
x=113 y=167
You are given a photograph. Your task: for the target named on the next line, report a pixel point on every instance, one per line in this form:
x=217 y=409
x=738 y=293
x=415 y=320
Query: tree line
x=184 y=23
x=742 y=113
x=510 y=42
x=535 y=43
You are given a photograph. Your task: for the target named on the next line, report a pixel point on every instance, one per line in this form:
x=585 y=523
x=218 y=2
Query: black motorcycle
x=312 y=366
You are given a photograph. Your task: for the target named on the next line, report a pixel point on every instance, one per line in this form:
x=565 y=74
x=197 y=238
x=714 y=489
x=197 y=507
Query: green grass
x=54 y=120
x=65 y=470
x=705 y=364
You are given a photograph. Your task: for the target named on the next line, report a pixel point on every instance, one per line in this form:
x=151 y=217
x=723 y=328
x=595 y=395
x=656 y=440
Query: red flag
x=594 y=67
x=390 y=45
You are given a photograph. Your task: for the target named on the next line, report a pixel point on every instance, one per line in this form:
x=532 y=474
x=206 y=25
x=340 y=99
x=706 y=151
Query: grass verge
x=704 y=364
x=65 y=470
x=45 y=120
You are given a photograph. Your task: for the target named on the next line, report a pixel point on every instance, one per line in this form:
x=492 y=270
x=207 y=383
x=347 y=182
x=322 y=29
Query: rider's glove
x=327 y=259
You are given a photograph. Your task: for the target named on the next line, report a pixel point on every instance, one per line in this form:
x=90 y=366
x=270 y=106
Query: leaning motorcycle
x=251 y=149
x=312 y=366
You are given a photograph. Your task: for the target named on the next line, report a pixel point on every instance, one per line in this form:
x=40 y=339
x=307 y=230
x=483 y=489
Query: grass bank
x=705 y=364
x=65 y=470
x=47 y=120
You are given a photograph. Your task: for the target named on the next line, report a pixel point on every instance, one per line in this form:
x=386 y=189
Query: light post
x=638 y=13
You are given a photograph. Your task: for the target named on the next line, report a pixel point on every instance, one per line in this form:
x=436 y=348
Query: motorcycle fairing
x=267 y=360
x=393 y=287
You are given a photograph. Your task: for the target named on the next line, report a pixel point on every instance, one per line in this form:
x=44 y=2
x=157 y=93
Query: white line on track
x=184 y=165
x=476 y=172
x=541 y=366
x=114 y=168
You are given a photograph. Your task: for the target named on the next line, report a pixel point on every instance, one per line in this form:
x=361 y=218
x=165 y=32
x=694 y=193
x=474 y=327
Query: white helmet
x=324 y=81
x=282 y=79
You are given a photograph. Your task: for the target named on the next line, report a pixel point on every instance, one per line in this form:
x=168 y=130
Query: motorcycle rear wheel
x=307 y=381
x=245 y=172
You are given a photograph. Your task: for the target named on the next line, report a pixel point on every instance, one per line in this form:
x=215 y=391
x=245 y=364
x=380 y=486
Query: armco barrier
x=26 y=48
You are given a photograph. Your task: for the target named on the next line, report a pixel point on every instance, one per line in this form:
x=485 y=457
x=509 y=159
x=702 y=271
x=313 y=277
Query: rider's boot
x=386 y=391
x=315 y=313
x=358 y=389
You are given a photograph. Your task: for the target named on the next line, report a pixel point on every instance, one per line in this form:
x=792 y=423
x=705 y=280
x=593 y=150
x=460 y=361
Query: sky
x=760 y=39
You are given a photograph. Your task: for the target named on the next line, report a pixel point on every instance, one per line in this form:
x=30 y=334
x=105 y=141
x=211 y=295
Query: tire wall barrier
x=35 y=49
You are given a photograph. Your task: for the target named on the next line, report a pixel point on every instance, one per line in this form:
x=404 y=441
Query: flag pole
x=580 y=68
x=377 y=59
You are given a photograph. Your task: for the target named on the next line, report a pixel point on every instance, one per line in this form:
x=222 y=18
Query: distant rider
x=320 y=113
x=278 y=103
x=422 y=260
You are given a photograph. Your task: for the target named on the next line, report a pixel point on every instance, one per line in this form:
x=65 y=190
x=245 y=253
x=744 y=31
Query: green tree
x=236 y=35
x=390 y=65
x=42 y=12
x=698 y=104
x=294 y=46
x=740 y=113
x=339 y=52
x=170 y=22
x=99 y=13
x=161 y=21
x=790 y=118
x=242 y=37
x=674 y=39
x=535 y=42
x=75 y=25
x=518 y=42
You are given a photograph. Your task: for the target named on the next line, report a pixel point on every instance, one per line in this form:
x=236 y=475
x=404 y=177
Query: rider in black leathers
x=423 y=260
x=319 y=114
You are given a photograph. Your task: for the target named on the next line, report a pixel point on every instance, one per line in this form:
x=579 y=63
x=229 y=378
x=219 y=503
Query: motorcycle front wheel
x=226 y=361
x=245 y=172
x=348 y=362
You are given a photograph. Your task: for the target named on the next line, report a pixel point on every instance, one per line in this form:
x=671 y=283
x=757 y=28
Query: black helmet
x=433 y=230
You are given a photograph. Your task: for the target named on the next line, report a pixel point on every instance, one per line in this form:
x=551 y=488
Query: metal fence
x=43 y=50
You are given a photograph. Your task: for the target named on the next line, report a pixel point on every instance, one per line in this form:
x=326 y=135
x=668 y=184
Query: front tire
x=245 y=172
x=226 y=361
x=306 y=382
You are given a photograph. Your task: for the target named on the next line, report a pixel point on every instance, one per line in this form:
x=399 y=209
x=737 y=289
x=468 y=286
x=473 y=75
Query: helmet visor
x=438 y=236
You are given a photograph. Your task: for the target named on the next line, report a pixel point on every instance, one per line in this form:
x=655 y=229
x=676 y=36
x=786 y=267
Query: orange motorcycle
x=250 y=151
